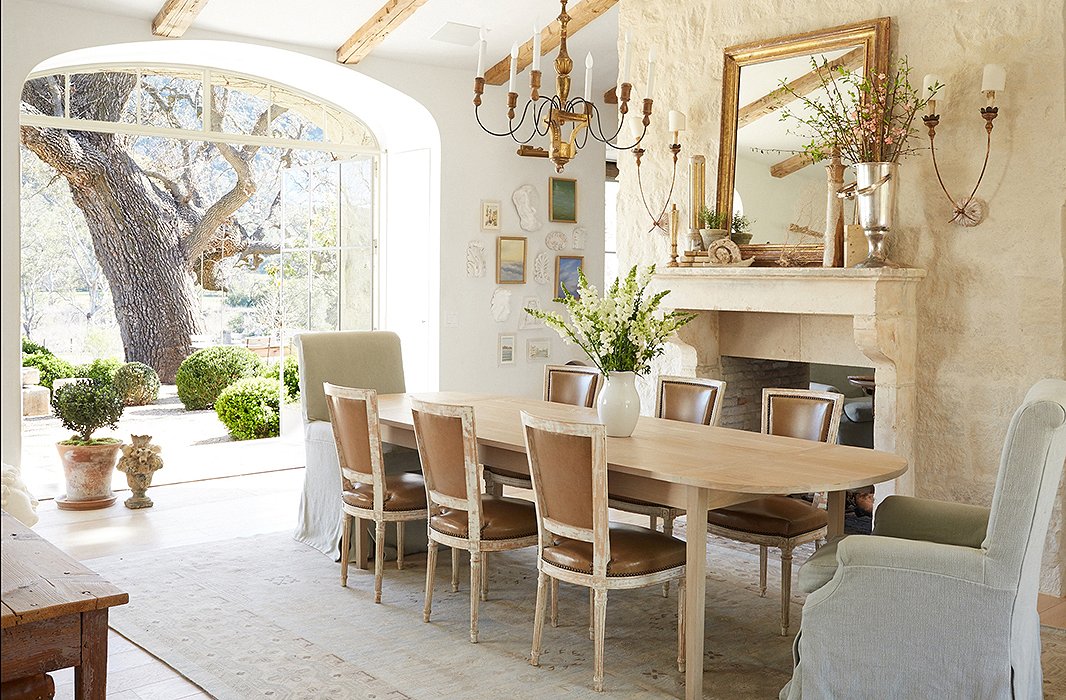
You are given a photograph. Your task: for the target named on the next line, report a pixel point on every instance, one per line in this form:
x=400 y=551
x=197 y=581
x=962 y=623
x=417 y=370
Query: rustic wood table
x=694 y=467
x=54 y=614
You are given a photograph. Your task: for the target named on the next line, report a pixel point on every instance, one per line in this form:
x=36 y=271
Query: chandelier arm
x=544 y=103
x=525 y=113
x=636 y=144
x=477 y=115
x=602 y=136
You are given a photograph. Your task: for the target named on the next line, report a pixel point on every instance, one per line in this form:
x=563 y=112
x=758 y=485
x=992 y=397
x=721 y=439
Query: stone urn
x=87 y=470
x=140 y=459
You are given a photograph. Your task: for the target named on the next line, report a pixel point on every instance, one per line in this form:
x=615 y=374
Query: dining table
x=688 y=466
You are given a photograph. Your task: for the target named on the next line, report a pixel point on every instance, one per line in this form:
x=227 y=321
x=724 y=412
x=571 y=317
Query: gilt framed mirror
x=763 y=174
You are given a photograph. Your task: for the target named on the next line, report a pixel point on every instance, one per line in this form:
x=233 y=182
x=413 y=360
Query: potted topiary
x=88 y=462
x=740 y=229
x=713 y=226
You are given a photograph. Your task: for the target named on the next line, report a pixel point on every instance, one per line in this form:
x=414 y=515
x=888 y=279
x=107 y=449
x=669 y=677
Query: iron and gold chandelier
x=567 y=121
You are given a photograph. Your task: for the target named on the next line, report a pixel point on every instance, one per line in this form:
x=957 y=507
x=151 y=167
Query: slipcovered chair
x=364 y=359
x=951 y=588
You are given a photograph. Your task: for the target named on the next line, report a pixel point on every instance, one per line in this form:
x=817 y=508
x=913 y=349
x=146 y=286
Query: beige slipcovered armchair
x=362 y=359
x=940 y=602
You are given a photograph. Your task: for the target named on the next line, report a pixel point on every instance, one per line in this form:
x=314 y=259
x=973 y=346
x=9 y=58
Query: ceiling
x=326 y=24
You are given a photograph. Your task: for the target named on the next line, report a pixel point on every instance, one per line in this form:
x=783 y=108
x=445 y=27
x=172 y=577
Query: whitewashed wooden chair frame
x=598 y=582
x=785 y=544
x=495 y=482
x=473 y=543
x=378 y=514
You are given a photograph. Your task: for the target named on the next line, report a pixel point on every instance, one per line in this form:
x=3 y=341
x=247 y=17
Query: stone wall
x=991 y=312
x=746 y=378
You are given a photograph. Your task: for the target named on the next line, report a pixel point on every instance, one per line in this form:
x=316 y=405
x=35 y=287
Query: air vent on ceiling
x=455 y=33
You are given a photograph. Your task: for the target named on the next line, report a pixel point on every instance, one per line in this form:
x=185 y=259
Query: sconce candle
x=651 y=73
x=536 y=47
x=588 y=77
x=625 y=61
x=995 y=78
x=676 y=122
x=931 y=92
x=514 y=66
x=482 y=44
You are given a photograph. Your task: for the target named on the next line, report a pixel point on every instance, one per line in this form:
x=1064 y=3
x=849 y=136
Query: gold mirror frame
x=873 y=35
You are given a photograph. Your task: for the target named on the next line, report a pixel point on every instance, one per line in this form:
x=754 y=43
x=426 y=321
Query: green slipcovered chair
x=948 y=590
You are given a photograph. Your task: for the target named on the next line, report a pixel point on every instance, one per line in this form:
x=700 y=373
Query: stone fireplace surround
x=814 y=315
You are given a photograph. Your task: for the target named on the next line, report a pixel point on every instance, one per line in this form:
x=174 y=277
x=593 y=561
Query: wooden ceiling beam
x=175 y=17
x=803 y=85
x=580 y=16
x=790 y=165
x=385 y=21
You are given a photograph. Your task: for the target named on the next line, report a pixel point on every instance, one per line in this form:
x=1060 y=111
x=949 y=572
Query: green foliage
x=292 y=377
x=52 y=367
x=710 y=218
x=31 y=348
x=204 y=374
x=101 y=369
x=137 y=384
x=87 y=406
x=740 y=225
x=250 y=408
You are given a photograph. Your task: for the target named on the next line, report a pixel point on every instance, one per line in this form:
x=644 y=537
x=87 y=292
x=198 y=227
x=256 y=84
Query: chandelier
x=568 y=121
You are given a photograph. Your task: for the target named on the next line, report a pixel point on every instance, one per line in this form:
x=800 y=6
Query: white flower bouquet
x=620 y=331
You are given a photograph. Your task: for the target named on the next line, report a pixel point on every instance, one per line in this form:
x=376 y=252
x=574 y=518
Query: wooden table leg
x=90 y=676
x=361 y=533
x=695 y=589
x=835 y=508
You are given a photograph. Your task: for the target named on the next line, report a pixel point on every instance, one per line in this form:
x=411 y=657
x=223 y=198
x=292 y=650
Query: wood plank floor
x=194 y=513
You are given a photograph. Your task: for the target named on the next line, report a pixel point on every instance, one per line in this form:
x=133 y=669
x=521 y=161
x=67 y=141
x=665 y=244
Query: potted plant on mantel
x=740 y=229
x=713 y=225
x=621 y=333
x=88 y=462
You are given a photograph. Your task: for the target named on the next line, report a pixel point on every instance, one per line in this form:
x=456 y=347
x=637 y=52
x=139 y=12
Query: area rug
x=266 y=616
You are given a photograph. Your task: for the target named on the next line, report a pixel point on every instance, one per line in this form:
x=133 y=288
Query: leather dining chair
x=367 y=492
x=574 y=385
x=577 y=543
x=781 y=521
x=460 y=515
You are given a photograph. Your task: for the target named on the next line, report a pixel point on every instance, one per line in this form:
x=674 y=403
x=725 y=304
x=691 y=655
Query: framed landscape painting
x=510 y=260
x=567 y=274
x=562 y=200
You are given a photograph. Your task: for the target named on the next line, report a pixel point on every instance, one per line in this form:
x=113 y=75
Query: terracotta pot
x=88 y=470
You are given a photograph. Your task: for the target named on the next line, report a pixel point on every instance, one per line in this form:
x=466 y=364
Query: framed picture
x=490 y=215
x=528 y=322
x=567 y=268
x=510 y=260
x=538 y=350
x=505 y=350
x=562 y=200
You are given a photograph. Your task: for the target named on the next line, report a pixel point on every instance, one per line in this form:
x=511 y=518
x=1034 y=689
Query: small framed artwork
x=562 y=200
x=538 y=350
x=490 y=215
x=505 y=349
x=528 y=322
x=567 y=274
x=510 y=260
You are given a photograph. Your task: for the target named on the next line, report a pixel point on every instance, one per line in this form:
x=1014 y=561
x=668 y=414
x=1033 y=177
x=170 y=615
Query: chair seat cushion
x=503 y=518
x=635 y=551
x=778 y=516
x=507 y=473
x=402 y=492
x=820 y=568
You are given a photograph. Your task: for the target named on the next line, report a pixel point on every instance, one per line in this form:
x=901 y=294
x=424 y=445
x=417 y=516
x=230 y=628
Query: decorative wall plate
x=556 y=240
x=475 y=259
x=501 y=304
x=526 y=202
x=542 y=268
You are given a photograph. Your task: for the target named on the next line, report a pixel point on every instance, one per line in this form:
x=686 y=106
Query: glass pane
x=357 y=202
x=295 y=204
x=237 y=105
x=325 y=290
x=47 y=96
x=357 y=289
x=172 y=99
x=107 y=96
x=295 y=117
x=324 y=186
x=295 y=291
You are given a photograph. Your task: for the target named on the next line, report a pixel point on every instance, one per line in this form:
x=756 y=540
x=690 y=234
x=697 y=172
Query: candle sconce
x=970 y=211
x=659 y=221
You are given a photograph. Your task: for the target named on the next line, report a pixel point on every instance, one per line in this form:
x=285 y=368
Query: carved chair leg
x=600 y=598
x=475 y=592
x=538 y=618
x=592 y=614
x=762 y=570
x=668 y=529
x=379 y=558
x=484 y=576
x=555 y=602
x=346 y=543
x=399 y=544
x=431 y=570
x=455 y=569
x=786 y=587
x=681 y=624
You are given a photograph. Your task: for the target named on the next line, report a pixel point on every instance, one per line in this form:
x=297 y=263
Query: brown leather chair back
x=800 y=413
x=353 y=413
x=690 y=399
x=573 y=385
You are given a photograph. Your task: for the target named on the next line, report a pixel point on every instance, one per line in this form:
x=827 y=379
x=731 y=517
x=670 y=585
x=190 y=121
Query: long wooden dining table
x=694 y=467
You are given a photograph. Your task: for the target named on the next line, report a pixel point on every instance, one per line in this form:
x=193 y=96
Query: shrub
x=205 y=373
x=52 y=367
x=249 y=408
x=137 y=384
x=85 y=407
x=31 y=348
x=100 y=370
x=292 y=377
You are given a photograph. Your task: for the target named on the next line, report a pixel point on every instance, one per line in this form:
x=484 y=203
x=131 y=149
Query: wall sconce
x=677 y=125
x=972 y=210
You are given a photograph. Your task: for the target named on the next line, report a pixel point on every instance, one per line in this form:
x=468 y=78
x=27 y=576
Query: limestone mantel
x=822 y=315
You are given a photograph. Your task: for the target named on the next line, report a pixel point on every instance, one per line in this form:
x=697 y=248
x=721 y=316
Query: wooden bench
x=54 y=616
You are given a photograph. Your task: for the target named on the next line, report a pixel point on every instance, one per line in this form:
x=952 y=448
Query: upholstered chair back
x=571 y=384
x=689 y=399
x=801 y=413
x=447 y=447
x=1030 y=467
x=354 y=416
x=367 y=359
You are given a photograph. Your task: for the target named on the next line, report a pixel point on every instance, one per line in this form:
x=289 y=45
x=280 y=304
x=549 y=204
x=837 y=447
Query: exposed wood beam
x=391 y=15
x=803 y=85
x=580 y=16
x=176 y=16
x=791 y=165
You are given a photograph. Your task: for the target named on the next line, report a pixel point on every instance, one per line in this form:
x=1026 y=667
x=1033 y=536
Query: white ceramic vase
x=619 y=404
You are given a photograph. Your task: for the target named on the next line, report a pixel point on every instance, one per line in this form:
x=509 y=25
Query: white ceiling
x=326 y=24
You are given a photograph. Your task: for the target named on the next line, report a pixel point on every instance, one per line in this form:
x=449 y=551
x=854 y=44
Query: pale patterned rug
x=266 y=617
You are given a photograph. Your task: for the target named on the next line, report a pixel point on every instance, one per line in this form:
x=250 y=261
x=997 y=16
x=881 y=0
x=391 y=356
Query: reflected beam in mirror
x=803 y=85
x=790 y=165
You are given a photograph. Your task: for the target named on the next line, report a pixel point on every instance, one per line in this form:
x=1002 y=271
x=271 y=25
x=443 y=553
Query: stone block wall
x=746 y=378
